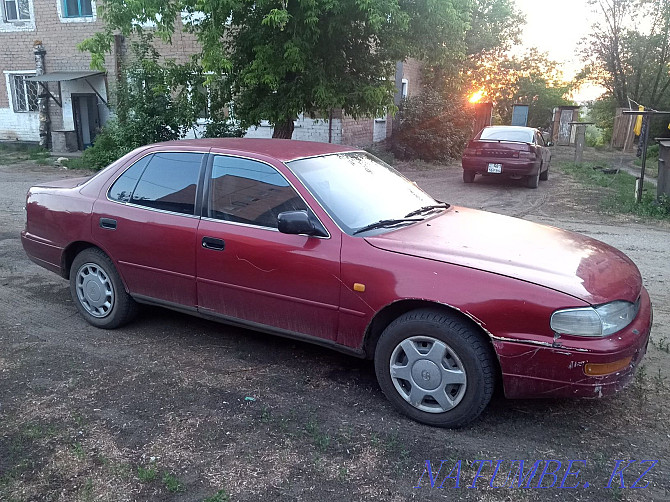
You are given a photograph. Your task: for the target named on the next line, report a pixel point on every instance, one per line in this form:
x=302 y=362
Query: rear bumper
x=510 y=167
x=558 y=370
x=41 y=252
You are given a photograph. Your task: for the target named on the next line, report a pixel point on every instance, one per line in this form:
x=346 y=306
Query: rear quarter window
x=123 y=187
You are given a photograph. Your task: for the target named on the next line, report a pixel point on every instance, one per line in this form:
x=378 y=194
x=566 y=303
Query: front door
x=249 y=270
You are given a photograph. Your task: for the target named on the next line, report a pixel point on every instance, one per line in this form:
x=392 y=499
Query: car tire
x=533 y=181
x=544 y=176
x=98 y=292
x=468 y=176
x=449 y=357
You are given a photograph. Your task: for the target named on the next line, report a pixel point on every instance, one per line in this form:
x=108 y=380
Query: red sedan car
x=510 y=151
x=328 y=244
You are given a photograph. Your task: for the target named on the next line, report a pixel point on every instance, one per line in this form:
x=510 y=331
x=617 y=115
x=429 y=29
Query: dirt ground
x=175 y=408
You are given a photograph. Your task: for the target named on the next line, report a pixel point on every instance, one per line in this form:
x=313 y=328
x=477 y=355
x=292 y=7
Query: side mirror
x=298 y=222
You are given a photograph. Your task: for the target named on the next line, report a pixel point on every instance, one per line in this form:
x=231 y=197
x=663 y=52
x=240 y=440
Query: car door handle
x=213 y=243
x=108 y=223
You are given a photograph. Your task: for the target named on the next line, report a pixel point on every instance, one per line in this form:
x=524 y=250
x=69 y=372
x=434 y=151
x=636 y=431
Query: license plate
x=495 y=168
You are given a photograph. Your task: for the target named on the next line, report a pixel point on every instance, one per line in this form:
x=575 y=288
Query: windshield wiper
x=385 y=223
x=441 y=205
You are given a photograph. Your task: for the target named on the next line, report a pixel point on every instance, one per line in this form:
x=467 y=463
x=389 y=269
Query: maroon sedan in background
x=510 y=151
x=328 y=244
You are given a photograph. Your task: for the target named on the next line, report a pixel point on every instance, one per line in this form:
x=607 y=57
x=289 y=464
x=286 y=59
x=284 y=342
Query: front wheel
x=98 y=292
x=435 y=368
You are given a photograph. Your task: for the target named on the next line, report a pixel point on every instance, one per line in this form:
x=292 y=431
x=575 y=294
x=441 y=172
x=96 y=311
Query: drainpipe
x=330 y=126
x=43 y=98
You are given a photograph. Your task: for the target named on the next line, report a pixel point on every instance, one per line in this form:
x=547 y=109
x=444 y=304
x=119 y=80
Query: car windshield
x=357 y=189
x=524 y=136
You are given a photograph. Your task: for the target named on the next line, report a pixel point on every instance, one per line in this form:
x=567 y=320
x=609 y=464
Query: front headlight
x=595 y=321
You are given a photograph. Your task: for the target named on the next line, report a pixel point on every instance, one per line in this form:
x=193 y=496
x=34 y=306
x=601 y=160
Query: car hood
x=558 y=259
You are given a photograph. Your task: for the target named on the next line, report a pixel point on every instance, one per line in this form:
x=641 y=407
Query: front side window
x=78 y=8
x=16 y=10
x=167 y=181
x=247 y=191
x=24 y=93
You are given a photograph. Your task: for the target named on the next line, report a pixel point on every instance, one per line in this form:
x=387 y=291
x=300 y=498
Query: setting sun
x=477 y=96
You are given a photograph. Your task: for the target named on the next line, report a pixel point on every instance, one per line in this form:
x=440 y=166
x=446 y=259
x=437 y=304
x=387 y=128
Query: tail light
x=528 y=155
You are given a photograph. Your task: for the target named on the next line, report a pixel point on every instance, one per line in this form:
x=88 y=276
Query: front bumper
x=557 y=370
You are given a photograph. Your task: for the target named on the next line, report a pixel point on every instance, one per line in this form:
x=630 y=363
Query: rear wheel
x=468 y=176
x=545 y=175
x=533 y=181
x=98 y=292
x=435 y=368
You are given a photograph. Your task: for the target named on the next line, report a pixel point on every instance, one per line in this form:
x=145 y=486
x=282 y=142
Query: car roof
x=281 y=149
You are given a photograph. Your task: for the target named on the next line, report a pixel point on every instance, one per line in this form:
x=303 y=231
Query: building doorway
x=86 y=118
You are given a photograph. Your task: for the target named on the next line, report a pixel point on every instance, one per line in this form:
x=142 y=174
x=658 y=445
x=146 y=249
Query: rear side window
x=246 y=191
x=123 y=187
x=169 y=182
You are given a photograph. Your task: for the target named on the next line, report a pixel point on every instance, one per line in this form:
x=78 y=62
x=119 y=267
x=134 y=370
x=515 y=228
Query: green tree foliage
x=275 y=59
x=430 y=128
x=628 y=52
x=531 y=79
x=494 y=26
x=437 y=124
x=154 y=102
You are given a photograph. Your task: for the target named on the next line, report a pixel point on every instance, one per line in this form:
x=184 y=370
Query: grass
x=76 y=163
x=620 y=188
x=172 y=483
x=78 y=451
x=12 y=153
x=146 y=474
x=220 y=496
x=663 y=344
x=319 y=438
x=651 y=168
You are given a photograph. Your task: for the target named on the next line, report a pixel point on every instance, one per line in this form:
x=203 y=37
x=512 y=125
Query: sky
x=555 y=27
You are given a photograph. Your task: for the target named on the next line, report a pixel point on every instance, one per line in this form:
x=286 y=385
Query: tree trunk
x=283 y=130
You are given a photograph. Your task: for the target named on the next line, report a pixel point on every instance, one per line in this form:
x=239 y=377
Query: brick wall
x=412 y=70
x=306 y=129
x=60 y=37
x=357 y=132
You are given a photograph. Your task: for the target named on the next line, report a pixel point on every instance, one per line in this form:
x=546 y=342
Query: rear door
x=247 y=269
x=147 y=224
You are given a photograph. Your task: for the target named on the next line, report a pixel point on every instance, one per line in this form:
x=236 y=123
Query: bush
x=431 y=128
x=109 y=145
x=156 y=103
x=594 y=136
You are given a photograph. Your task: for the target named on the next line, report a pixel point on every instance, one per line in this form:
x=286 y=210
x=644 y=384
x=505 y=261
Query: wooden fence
x=622 y=133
